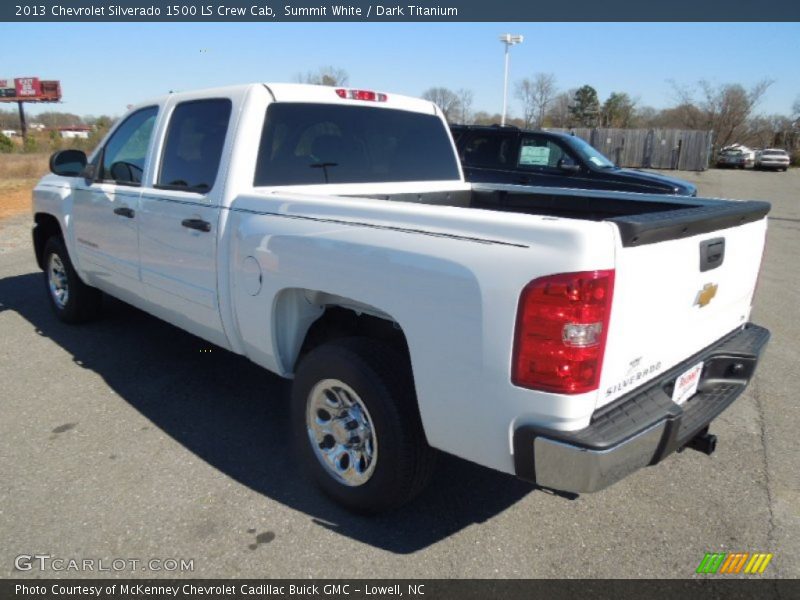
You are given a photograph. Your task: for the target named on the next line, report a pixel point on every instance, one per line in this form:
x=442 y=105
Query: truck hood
x=684 y=188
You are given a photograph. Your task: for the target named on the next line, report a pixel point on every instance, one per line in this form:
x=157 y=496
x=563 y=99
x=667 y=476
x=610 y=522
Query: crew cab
x=327 y=234
x=494 y=154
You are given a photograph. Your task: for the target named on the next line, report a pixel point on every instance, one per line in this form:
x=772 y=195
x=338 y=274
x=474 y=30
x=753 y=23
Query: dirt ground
x=15 y=196
x=18 y=174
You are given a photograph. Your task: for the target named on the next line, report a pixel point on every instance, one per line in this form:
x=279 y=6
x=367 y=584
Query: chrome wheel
x=341 y=433
x=57 y=280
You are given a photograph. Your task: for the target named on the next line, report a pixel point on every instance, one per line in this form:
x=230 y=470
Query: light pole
x=508 y=40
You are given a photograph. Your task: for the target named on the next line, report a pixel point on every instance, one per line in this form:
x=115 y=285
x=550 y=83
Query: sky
x=103 y=67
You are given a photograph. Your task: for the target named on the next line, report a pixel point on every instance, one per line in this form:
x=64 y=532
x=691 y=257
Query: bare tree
x=725 y=108
x=523 y=90
x=329 y=75
x=559 y=114
x=536 y=96
x=446 y=99
x=464 y=105
x=645 y=116
x=769 y=131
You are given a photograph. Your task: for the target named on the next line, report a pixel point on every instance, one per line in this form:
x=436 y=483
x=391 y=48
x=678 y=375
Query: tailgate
x=678 y=288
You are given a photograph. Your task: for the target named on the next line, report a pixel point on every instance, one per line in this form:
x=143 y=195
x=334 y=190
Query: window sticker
x=538 y=156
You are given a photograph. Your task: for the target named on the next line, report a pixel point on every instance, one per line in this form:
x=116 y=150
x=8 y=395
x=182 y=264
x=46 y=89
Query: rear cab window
x=306 y=144
x=193 y=146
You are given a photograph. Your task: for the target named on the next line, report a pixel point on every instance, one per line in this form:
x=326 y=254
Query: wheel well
x=337 y=322
x=46 y=227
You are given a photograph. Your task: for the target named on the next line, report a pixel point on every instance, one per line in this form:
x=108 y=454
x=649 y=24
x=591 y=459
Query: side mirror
x=68 y=163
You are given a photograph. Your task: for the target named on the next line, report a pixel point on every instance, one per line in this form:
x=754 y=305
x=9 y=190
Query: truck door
x=543 y=161
x=105 y=211
x=179 y=219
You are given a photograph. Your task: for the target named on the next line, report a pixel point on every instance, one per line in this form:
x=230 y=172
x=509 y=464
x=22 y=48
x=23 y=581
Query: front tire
x=357 y=426
x=72 y=300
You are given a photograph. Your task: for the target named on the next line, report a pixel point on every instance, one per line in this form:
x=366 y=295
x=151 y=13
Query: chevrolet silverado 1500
x=569 y=337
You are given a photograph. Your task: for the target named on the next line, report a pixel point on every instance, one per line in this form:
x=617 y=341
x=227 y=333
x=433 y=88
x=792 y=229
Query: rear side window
x=489 y=150
x=305 y=144
x=125 y=152
x=194 y=144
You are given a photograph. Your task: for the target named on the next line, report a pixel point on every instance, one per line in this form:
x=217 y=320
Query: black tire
x=82 y=301
x=382 y=380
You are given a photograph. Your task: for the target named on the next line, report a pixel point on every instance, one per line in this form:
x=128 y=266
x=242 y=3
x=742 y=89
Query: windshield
x=306 y=144
x=590 y=154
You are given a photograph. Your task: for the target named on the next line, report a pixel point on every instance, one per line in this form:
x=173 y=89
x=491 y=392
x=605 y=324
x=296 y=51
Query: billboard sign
x=27 y=87
x=7 y=88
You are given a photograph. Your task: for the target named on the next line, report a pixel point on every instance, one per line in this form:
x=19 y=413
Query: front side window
x=193 y=147
x=125 y=152
x=542 y=152
x=304 y=144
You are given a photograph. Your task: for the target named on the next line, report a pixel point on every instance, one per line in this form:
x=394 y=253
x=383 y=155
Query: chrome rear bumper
x=644 y=426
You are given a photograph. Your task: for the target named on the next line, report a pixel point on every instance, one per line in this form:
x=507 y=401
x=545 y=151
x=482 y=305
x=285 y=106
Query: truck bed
x=641 y=218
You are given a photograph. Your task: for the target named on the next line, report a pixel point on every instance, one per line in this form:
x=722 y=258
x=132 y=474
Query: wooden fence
x=682 y=149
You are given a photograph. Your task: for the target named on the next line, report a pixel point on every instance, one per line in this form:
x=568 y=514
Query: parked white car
x=569 y=337
x=772 y=158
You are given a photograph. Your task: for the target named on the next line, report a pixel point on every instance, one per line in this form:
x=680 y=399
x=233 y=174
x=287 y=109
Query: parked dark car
x=524 y=157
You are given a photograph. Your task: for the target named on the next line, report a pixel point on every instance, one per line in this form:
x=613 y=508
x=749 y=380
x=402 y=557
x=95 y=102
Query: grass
x=18 y=174
x=23 y=166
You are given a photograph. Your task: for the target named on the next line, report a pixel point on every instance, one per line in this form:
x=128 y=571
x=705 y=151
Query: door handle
x=197 y=224
x=124 y=211
x=524 y=180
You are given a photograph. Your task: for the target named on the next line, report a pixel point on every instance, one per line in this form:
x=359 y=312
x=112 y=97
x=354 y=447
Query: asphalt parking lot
x=128 y=438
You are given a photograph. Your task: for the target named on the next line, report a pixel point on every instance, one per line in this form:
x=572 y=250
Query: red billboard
x=27 y=87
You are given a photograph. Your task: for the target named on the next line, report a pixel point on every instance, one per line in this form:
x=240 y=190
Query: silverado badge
x=705 y=295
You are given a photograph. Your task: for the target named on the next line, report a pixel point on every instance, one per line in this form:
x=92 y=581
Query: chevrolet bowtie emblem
x=705 y=295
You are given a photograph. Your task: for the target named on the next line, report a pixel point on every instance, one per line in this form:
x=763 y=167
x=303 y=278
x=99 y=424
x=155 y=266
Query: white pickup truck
x=566 y=336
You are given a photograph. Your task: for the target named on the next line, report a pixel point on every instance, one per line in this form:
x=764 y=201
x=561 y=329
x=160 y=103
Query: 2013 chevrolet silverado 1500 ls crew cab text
x=567 y=336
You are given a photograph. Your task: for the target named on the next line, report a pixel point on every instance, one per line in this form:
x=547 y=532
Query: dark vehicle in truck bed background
x=492 y=154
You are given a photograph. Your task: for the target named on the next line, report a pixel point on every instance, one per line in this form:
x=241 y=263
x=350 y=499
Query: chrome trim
x=341 y=432
x=57 y=281
x=570 y=468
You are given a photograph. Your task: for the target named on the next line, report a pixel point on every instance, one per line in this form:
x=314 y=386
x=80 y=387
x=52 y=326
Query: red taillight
x=562 y=324
x=361 y=95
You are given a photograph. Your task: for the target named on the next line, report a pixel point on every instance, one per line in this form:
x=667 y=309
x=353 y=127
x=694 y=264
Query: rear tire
x=357 y=426
x=71 y=299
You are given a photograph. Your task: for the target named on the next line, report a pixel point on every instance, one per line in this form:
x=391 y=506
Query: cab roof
x=301 y=92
